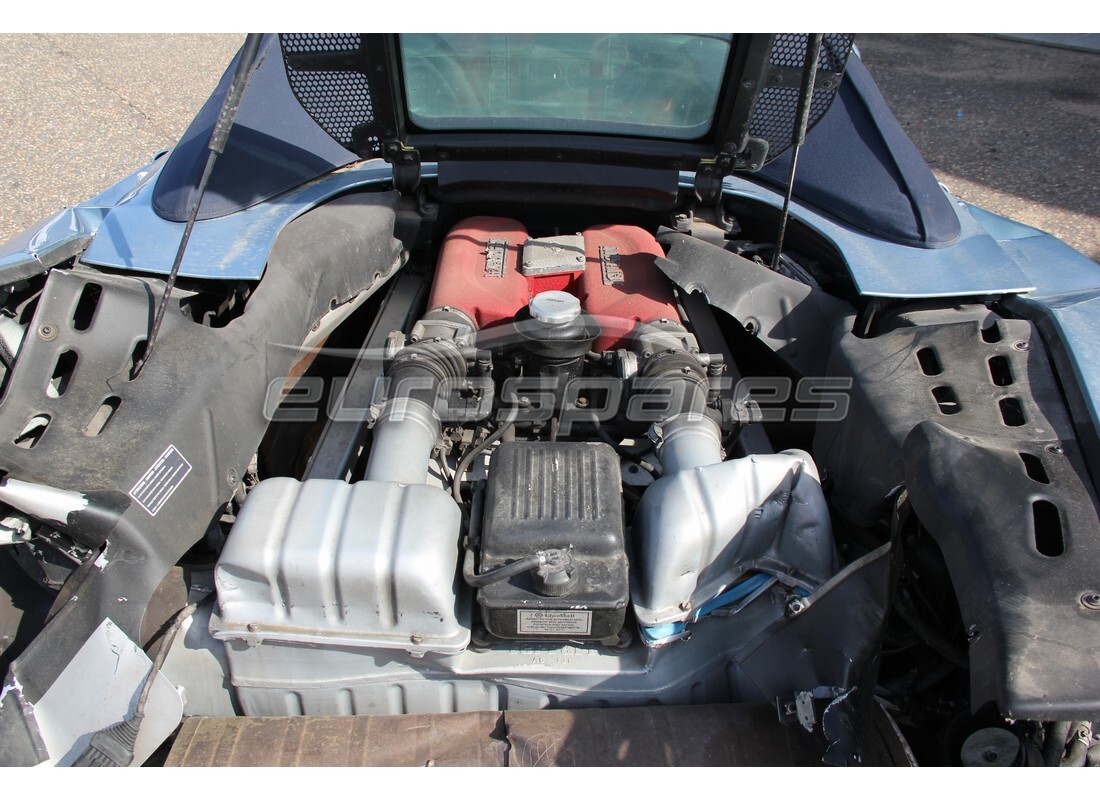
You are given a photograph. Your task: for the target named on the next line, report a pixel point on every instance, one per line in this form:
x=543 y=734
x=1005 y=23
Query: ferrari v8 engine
x=546 y=479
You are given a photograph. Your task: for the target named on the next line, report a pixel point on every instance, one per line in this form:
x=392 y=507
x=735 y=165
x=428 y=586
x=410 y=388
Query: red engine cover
x=460 y=277
x=621 y=286
x=644 y=293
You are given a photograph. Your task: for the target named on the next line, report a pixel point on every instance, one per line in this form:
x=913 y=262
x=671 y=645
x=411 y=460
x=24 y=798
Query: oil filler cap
x=555 y=308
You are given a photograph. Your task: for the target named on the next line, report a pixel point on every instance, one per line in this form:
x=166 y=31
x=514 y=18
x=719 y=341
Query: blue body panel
x=234 y=247
x=975 y=265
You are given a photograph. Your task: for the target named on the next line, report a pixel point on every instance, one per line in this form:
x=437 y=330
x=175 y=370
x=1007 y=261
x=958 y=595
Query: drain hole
x=136 y=356
x=1000 y=371
x=991 y=333
x=62 y=374
x=1048 y=528
x=929 y=361
x=101 y=417
x=1034 y=467
x=86 y=306
x=32 y=431
x=947 y=400
x=1012 y=412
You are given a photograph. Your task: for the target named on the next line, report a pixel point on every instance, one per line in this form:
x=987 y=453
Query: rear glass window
x=662 y=85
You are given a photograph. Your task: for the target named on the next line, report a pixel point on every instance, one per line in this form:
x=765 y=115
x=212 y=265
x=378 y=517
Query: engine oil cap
x=555 y=308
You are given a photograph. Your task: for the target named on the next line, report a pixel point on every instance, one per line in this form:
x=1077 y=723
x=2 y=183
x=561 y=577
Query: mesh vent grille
x=339 y=99
x=774 y=115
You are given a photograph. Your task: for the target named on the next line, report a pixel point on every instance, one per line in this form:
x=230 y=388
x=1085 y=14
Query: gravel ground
x=78 y=112
x=1010 y=126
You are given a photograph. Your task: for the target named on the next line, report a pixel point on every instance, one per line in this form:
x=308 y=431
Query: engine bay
x=552 y=463
x=553 y=392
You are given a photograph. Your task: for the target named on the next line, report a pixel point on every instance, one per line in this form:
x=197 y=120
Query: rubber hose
x=497 y=574
x=1093 y=757
x=1077 y=754
x=1055 y=742
x=464 y=464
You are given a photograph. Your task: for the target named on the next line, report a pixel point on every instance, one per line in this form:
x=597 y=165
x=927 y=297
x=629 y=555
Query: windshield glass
x=662 y=85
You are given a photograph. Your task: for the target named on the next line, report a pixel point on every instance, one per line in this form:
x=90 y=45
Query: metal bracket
x=609 y=265
x=791 y=78
x=711 y=171
x=708 y=178
x=495 y=251
x=803 y=707
x=406 y=166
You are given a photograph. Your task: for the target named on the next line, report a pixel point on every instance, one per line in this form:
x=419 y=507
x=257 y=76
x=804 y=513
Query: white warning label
x=562 y=622
x=161 y=480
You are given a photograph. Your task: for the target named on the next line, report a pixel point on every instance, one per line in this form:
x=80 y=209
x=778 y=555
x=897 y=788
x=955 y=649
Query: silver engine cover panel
x=324 y=562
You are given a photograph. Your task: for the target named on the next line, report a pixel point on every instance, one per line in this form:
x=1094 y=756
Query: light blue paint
x=46 y=243
x=234 y=247
x=974 y=266
x=658 y=634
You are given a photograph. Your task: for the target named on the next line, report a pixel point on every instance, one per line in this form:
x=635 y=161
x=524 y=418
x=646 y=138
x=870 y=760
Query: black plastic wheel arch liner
x=1034 y=644
x=203 y=391
x=975 y=426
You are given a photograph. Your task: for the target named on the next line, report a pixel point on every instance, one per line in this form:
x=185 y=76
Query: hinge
x=406 y=166
x=708 y=178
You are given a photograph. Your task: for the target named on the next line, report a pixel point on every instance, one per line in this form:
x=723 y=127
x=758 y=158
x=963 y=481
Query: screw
x=1055 y=449
x=1022 y=346
x=231 y=477
x=416 y=638
x=47 y=332
x=1090 y=600
x=582 y=402
x=253 y=627
x=685 y=606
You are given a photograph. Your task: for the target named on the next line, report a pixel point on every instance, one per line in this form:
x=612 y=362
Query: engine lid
x=671 y=102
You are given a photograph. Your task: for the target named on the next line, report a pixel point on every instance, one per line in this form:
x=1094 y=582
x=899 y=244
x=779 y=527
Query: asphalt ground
x=1007 y=125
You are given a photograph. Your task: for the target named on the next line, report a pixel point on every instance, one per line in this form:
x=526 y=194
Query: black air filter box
x=555 y=496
